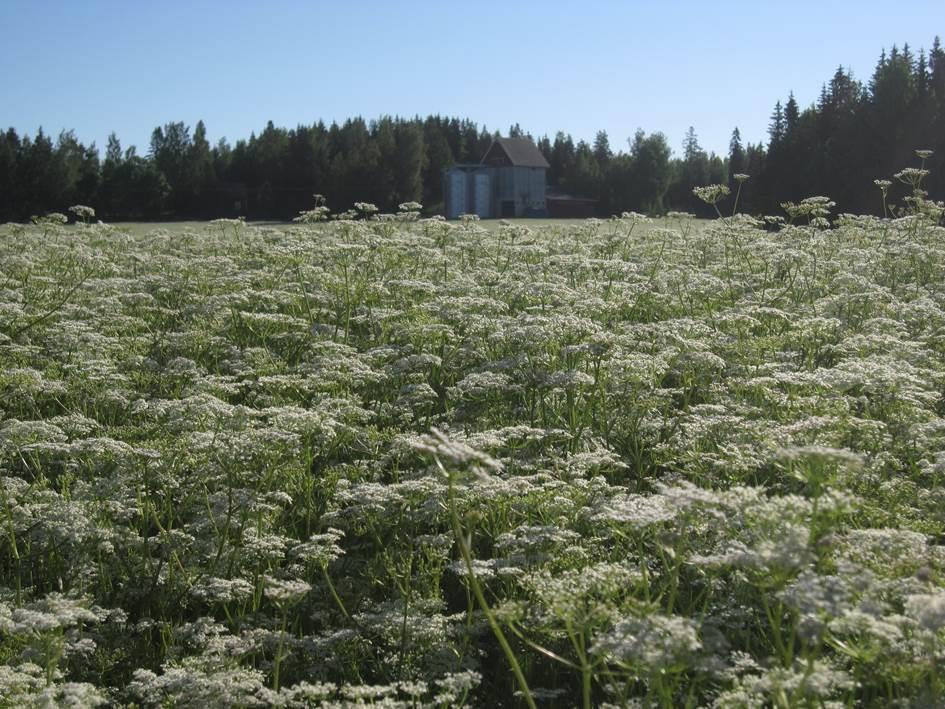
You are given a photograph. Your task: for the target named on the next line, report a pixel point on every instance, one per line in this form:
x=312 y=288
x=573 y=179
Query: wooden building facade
x=509 y=181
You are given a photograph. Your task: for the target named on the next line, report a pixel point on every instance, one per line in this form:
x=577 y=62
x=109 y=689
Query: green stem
x=334 y=593
x=347 y=305
x=51 y=311
x=483 y=604
x=403 y=628
x=278 y=661
x=585 y=675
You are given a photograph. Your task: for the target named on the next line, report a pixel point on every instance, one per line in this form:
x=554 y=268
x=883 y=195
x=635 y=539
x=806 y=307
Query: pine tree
x=36 y=176
x=562 y=159
x=937 y=72
x=222 y=158
x=408 y=185
x=691 y=148
x=651 y=171
x=9 y=148
x=111 y=187
x=168 y=151
x=439 y=156
x=199 y=171
x=544 y=145
x=922 y=78
x=602 y=151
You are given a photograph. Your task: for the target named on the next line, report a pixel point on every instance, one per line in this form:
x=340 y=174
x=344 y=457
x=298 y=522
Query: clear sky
x=578 y=66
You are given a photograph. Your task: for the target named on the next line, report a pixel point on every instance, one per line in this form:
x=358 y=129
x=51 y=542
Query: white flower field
x=402 y=462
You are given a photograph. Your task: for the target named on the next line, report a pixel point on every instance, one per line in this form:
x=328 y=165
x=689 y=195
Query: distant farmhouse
x=510 y=181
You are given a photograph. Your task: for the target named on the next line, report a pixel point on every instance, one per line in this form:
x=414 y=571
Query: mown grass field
x=143 y=228
x=411 y=463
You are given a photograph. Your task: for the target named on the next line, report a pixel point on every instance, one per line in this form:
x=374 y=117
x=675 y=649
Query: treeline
x=854 y=133
x=270 y=175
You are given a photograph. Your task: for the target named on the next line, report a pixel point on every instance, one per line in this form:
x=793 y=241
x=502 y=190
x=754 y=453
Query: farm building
x=509 y=181
x=566 y=206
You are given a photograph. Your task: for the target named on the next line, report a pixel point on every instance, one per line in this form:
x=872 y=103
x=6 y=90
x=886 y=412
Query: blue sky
x=574 y=66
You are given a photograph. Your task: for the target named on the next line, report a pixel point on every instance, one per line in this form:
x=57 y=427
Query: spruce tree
x=776 y=128
x=792 y=115
x=736 y=154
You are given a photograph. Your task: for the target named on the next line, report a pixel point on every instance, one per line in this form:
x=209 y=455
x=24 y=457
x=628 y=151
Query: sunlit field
x=144 y=228
x=402 y=462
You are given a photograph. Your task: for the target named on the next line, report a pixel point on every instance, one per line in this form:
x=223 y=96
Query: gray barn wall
x=528 y=190
x=524 y=186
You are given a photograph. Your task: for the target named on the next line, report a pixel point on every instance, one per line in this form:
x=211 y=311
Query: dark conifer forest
x=856 y=132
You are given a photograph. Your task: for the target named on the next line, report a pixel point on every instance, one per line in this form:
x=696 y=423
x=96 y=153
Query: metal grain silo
x=455 y=197
x=482 y=195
